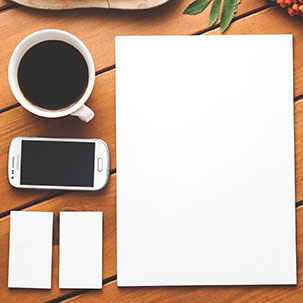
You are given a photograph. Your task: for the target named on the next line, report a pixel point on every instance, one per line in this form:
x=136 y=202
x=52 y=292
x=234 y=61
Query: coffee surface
x=53 y=75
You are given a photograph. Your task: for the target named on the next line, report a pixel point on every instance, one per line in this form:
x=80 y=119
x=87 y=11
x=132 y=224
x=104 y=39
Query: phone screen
x=57 y=163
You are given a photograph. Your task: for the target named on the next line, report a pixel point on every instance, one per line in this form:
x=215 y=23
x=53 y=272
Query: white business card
x=80 y=257
x=30 y=249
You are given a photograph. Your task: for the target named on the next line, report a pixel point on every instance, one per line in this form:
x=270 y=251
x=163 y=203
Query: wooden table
x=97 y=29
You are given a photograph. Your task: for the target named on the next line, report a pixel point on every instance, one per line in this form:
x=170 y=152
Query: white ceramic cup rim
x=25 y=45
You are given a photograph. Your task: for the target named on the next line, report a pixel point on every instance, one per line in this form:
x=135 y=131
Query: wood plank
x=274 y=21
x=5 y=3
x=235 y=294
x=250 y=294
x=98 y=201
x=102 y=126
x=98 y=28
x=19 y=122
x=103 y=200
x=299 y=148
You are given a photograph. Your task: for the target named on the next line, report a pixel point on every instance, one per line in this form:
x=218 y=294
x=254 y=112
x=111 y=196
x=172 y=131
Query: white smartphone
x=56 y=163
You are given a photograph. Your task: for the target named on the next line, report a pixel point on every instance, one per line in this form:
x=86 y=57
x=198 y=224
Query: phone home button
x=100 y=164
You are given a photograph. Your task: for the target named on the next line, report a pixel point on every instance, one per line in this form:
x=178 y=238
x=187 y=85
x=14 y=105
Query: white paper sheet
x=205 y=160
x=30 y=249
x=80 y=260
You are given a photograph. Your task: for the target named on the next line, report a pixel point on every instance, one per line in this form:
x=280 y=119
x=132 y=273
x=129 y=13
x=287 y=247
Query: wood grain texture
x=5 y=3
x=110 y=293
x=235 y=294
x=19 y=122
x=299 y=149
x=102 y=126
x=274 y=20
x=98 y=29
x=104 y=201
x=68 y=4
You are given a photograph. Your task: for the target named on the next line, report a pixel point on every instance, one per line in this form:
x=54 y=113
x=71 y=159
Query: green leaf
x=229 y=9
x=214 y=13
x=196 y=7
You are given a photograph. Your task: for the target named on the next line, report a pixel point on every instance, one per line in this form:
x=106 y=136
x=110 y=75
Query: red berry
x=295 y=7
x=280 y=1
x=301 y=8
x=291 y=11
x=289 y=2
x=283 y=5
x=294 y=1
x=301 y=1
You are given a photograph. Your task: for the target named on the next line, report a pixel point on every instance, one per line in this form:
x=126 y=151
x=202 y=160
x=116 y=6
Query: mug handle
x=84 y=113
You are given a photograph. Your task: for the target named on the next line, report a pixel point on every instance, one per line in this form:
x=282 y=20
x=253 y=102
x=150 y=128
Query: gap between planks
x=99 y=72
x=46 y=198
x=112 y=279
x=110 y=68
x=241 y=16
x=82 y=291
x=11 y=5
x=297 y=99
x=6 y=5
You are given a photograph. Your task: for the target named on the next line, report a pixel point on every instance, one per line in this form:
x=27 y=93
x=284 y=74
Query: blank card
x=205 y=160
x=30 y=249
x=80 y=257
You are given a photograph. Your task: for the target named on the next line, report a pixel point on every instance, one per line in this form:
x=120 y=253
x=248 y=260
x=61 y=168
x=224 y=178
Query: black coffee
x=53 y=75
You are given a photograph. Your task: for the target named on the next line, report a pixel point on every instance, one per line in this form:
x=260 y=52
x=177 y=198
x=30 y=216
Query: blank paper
x=80 y=257
x=205 y=160
x=30 y=249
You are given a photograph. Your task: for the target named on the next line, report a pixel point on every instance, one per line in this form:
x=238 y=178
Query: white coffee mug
x=78 y=109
